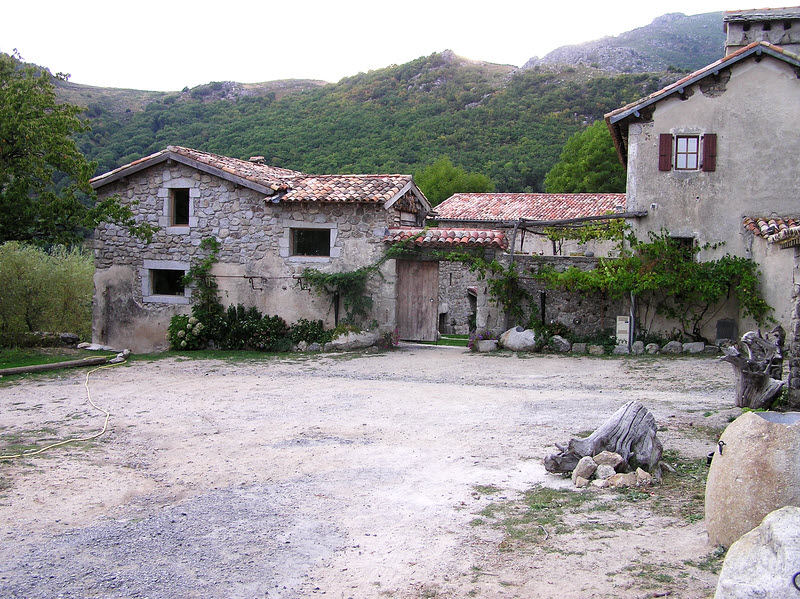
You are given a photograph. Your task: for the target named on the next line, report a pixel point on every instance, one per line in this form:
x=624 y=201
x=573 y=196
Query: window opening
x=687 y=152
x=685 y=245
x=180 y=206
x=167 y=282
x=767 y=26
x=311 y=242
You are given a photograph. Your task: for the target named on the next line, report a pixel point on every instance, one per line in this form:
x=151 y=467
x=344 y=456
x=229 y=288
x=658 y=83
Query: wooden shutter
x=665 y=152
x=710 y=152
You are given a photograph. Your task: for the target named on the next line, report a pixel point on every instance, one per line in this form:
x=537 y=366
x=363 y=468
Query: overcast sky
x=169 y=44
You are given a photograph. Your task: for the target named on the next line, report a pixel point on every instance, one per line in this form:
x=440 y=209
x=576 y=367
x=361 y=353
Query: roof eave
x=410 y=186
x=712 y=69
x=130 y=169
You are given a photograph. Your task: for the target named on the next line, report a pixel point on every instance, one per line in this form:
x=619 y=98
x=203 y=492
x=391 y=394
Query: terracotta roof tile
x=345 y=188
x=533 y=206
x=783 y=231
x=448 y=237
x=297 y=186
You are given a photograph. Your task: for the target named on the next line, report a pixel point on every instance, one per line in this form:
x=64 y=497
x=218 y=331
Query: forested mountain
x=507 y=123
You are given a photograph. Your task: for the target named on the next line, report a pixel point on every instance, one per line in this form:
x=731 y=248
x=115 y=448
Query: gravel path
x=350 y=475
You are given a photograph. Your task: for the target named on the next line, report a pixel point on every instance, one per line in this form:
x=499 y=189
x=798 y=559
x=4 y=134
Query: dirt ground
x=349 y=475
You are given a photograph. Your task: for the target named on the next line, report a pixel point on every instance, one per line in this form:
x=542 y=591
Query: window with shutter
x=665 y=152
x=710 y=152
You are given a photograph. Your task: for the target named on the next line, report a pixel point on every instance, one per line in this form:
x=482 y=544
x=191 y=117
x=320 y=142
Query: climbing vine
x=205 y=295
x=668 y=280
x=610 y=230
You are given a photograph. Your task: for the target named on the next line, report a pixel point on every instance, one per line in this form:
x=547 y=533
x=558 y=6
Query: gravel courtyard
x=348 y=475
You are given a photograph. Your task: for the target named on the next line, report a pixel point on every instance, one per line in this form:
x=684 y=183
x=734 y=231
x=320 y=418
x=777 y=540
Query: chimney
x=258 y=160
x=778 y=26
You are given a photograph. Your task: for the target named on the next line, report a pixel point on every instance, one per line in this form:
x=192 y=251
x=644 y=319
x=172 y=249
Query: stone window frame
x=146 y=274
x=285 y=241
x=165 y=195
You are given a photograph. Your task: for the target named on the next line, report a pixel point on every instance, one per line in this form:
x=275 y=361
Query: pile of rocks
x=601 y=471
x=519 y=339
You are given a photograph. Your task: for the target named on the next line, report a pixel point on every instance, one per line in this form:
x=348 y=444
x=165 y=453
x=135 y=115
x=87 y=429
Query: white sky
x=169 y=44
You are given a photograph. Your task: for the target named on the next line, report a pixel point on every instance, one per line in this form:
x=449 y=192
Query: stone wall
x=583 y=315
x=458 y=288
x=256 y=266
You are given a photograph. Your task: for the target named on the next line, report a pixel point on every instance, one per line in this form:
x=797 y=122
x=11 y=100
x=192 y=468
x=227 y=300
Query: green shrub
x=270 y=333
x=186 y=333
x=44 y=291
x=310 y=331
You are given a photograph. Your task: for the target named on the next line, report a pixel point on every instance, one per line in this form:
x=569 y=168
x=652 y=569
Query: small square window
x=167 y=282
x=311 y=242
x=687 y=152
x=180 y=206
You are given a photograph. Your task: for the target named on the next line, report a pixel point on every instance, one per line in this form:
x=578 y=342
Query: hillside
x=671 y=42
x=507 y=123
x=487 y=118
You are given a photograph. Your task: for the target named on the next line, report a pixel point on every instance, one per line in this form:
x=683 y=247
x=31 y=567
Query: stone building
x=532 y=214
x=271 y=223
x=717 y=148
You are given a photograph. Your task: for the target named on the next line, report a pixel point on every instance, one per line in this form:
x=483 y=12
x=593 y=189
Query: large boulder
x=519 y=339
x=756 y=472
x=672 y=347
x=353 y=340
x=764 y=562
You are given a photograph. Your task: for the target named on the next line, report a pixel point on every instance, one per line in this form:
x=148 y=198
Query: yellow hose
x=26 y=454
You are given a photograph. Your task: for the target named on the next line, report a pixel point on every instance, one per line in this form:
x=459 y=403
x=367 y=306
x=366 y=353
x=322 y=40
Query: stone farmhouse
x=712 y=158
x=530 y=214
x=271 y=223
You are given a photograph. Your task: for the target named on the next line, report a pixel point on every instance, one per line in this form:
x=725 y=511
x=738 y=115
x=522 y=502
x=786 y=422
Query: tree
x=442 y=179
x=588 y=164
x=45 y=196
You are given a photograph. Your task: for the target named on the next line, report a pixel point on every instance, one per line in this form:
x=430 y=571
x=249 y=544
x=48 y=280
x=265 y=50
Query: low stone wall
x=583 y=315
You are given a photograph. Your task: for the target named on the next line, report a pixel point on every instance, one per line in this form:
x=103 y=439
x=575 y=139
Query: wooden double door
x=417 y=300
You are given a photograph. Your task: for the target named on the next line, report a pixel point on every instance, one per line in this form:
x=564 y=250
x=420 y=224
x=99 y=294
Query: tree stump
x=630 y=432
x=758 y=376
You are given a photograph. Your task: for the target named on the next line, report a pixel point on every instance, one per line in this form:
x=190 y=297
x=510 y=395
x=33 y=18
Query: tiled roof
x=293 y=186
x=754 y=48
x=244 y=171
x=532 y=206
x=448 y=237
x=346 y=188
x=783 y=231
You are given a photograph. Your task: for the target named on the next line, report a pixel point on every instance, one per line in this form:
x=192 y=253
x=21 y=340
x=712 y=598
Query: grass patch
x=15 y=443
x=710 y=563
x=487 y=489
x=19 y=357
x=451 y=340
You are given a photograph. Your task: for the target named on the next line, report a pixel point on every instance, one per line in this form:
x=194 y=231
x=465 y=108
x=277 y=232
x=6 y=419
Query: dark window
x=311 y=242
x=685 y=245
x=167 y=282
x=687 y=152
x=767 y=26
x=180 y=206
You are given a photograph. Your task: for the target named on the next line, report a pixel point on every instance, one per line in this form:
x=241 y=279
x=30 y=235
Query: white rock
x=354 y=340
x=608 y=458
x=763 y=562
x=696 y=347
x=673 y=347
x=518 y=339
x=605 y=471
x=558 y=343
x=584 y=469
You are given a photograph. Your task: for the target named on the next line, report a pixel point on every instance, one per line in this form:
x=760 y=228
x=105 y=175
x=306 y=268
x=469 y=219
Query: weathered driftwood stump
x=630 y=432
x=758 y=376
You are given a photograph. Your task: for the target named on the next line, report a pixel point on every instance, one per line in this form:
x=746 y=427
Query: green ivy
x=667 y=280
